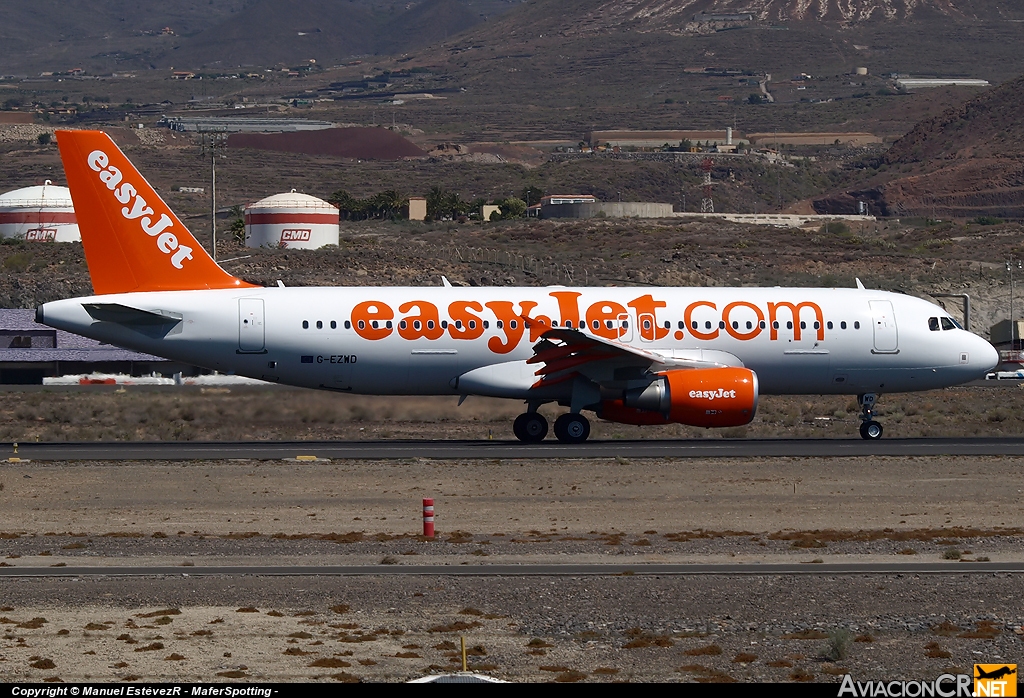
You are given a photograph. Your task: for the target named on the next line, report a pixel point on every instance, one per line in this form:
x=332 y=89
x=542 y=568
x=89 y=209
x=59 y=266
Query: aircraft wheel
x=872 y=431
x=572 y=428
x=530 y=427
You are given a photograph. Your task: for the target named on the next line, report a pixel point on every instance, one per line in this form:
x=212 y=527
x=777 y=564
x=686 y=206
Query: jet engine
x=699 y=397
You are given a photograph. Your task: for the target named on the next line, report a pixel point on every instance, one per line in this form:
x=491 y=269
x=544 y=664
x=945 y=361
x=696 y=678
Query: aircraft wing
x=563 y=353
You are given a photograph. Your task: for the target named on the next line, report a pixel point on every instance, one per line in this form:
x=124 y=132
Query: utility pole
x=213 y=199
x=1009 y=270
x=215 y=141
x=707 y=204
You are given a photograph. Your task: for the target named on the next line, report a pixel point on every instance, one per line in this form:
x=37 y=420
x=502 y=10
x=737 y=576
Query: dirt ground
x=634 y=628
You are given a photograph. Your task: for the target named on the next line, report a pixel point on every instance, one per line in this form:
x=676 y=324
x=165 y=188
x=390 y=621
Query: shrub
x=838 y=644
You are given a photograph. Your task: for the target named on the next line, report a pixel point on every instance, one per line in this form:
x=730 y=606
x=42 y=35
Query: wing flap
x=565 y=352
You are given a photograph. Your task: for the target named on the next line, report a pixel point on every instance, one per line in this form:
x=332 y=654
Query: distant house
x=182 y=75
x=417 y=208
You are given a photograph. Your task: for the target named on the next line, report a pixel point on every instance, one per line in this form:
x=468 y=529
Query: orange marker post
x=428 y=518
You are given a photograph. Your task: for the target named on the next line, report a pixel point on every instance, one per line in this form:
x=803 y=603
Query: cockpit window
x=933 y=324
x=947 y=323
x=955 y=323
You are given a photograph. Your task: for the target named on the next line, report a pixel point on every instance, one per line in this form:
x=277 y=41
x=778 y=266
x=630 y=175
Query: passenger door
x=251 y=330
x=884 y=323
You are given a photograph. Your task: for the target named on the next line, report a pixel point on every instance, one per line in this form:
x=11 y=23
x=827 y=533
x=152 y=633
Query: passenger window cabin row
x=933 y=324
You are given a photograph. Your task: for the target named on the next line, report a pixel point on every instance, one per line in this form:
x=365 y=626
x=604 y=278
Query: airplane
x=995 y=673
x=694 y=356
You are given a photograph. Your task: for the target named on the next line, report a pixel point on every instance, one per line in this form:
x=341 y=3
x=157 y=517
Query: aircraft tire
x=572 y=428
x=530 y=427
x=870 y=431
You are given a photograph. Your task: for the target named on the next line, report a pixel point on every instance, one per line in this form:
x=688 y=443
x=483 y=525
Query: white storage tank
x=39 y=214
x=292 y=220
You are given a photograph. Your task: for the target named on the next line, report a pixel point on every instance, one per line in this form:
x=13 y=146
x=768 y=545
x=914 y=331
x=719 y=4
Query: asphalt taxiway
x=442 y=450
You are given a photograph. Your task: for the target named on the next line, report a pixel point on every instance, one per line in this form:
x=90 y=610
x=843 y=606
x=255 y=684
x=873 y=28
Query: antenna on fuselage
x=860 y=285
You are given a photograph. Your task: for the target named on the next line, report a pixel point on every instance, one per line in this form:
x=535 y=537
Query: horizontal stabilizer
x=125 y=315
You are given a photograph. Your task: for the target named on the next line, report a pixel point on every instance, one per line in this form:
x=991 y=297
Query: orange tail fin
x=133 y=241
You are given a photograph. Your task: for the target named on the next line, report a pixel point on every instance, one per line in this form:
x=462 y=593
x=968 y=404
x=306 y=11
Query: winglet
x=132 y=239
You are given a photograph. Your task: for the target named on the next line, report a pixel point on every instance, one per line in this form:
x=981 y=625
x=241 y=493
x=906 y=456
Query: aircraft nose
x=985 y=356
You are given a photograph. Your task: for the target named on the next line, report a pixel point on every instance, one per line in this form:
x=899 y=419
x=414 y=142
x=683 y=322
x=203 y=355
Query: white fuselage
x=419 y=341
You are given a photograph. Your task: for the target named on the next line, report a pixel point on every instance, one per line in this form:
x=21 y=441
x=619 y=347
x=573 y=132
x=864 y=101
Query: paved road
x=692 y=448
x=542 y=570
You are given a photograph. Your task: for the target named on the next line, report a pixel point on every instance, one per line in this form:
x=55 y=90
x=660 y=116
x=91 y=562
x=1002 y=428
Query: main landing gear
x=531 y=428
x=869 y=428
x=572 y=428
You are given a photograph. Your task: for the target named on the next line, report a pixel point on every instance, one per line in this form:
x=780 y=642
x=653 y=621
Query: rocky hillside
x=966 y=162
x=111 y=35
x=687 y=15
x=990 y=125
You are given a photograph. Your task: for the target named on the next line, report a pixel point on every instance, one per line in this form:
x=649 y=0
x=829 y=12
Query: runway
x=448 y=450
x=529 y=570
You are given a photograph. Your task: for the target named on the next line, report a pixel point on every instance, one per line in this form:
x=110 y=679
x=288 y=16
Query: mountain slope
x=966 y=162
x=587 y=16
x=108 y=35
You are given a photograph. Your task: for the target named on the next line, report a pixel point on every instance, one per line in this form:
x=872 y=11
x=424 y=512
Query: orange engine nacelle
x=702 y=397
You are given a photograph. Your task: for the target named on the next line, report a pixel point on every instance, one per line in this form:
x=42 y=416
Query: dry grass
x=455 y=627
x=640 y=638
x=570 y=676
x=330 y=663
x=806 y=635
x=345 y=677
x=985 y=630
x=946 y=629
x=246 y=414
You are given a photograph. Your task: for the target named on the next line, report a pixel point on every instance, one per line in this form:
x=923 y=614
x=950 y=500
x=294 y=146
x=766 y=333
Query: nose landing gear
x=869 y=428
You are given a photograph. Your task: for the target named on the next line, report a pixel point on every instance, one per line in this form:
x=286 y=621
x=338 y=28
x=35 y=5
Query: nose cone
x=984 y=356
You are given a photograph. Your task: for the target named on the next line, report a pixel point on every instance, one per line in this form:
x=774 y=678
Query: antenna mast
x=707 y=204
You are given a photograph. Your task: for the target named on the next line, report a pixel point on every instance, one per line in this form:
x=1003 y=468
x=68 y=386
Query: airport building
x=291 y=220
x=241 y=124
x=585 y=206
x=42 y=213
x=30 y=352
x=657 y=139
x=918 y=83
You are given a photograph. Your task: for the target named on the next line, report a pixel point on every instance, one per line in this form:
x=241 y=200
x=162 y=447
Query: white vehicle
x=697 y=356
